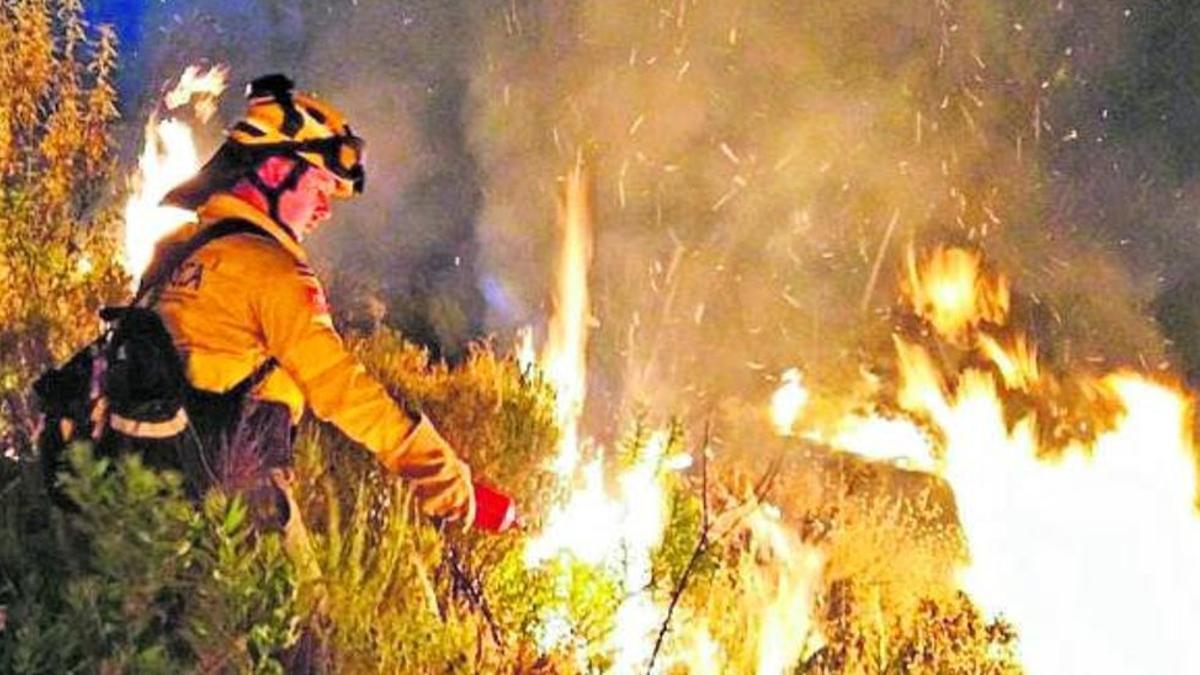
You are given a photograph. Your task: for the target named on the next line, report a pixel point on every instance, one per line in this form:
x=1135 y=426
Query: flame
x=1092 y=555
x=788 y=401
x=775 y=626
x=889 y=439
x=1099 y=548
x=1096 y=548
x=526 y=354
x=950 y=291
x=615 y=531
x=564 y=360
x=168 y=158
x=201 y=88
x=587 y=526
x=785 y=586
x=1017 y=364
x=700 y=653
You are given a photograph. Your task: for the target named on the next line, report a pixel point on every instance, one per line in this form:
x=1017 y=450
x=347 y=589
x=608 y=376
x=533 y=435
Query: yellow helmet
x=280 y=121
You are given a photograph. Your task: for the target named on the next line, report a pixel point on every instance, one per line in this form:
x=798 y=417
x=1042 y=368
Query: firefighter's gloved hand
x=439 y=479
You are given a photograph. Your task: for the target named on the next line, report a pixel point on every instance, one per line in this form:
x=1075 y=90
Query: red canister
x=494 y=510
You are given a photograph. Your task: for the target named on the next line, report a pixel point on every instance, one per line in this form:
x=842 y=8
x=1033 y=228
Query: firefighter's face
x=306 y=206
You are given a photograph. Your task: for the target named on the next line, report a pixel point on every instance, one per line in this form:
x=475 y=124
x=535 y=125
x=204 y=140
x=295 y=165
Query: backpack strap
x=150 y=286
x=243 y=388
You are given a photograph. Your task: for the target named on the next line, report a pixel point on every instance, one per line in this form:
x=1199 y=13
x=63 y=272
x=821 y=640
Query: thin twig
x=474 y=592
x=697 y=552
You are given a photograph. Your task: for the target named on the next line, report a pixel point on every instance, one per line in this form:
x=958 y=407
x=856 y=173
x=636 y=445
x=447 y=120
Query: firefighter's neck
x=246 y=192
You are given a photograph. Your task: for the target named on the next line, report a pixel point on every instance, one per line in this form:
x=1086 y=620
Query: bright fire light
x=617 y=531
x=786 y=582
x=1099 y=548
x=526 y=354
x=564 y=360
x=889 y=439
x=950 y=290
x=1091 y=556
x=788 y=401
x=168 y=158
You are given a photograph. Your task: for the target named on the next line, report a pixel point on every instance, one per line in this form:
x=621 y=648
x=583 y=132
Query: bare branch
x=473 y=590
x=697 y=552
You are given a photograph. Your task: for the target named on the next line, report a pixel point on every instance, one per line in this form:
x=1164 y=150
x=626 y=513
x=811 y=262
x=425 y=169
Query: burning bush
x=384 y=590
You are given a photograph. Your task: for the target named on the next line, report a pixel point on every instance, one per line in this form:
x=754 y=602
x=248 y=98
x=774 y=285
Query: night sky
x=126 y=17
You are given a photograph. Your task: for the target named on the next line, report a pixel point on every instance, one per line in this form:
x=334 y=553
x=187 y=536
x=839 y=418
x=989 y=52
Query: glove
x=440 y=480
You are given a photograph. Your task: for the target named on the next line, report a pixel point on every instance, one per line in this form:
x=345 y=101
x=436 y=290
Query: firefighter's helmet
x=279 y=122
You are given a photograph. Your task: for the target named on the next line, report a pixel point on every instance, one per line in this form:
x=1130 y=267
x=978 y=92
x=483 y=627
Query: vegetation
x=139 y=579
x=58 y=261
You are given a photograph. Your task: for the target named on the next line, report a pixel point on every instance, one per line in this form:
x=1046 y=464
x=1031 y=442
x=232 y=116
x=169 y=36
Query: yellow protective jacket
x=243 y=298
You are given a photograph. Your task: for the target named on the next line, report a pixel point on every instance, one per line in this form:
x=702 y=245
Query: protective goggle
x=342 y=155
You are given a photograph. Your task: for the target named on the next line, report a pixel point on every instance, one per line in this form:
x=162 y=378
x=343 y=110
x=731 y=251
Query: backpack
x=130 y=382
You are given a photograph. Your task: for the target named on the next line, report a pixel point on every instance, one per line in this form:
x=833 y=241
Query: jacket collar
x=223 y=205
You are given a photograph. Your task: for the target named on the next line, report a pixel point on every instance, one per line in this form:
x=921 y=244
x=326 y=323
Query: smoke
x=758 y=167
x=398 y=72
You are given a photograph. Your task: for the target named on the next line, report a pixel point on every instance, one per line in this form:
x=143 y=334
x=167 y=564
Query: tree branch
x=473 y=591
x=697 y=552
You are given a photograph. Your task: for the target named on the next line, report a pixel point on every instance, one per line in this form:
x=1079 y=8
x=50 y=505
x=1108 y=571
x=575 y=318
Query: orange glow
x=950 y=291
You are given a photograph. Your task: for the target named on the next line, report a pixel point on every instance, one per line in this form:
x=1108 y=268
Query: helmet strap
x=273 y=194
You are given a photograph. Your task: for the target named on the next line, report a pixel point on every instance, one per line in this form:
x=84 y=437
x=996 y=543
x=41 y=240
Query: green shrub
x=138 y=580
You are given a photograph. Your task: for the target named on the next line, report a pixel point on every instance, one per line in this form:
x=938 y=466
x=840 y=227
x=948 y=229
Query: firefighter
x=250 y=320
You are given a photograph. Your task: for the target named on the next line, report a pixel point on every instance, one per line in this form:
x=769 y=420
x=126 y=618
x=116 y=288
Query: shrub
x=138 y=579
x=58 y=261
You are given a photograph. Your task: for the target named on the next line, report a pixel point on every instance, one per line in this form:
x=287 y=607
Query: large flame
x=1092 y=555
x=564 y=359
x=614 y=530
x=168 y=158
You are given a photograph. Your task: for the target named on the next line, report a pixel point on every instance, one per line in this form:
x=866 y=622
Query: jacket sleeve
x=299 y=333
